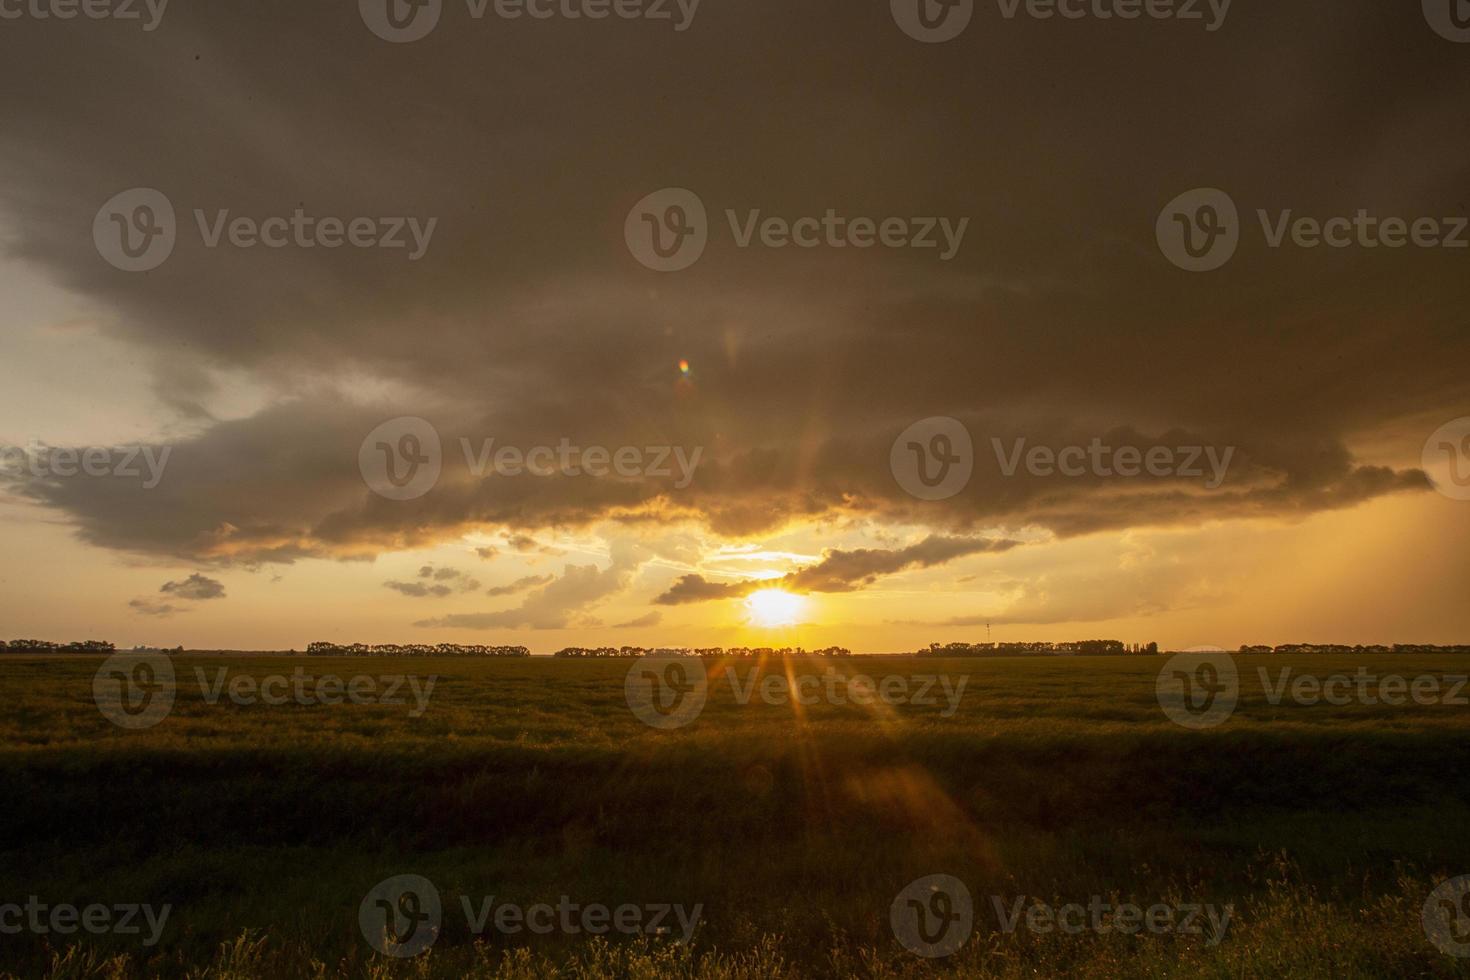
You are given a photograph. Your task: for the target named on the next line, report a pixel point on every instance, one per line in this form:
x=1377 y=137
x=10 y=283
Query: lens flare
x=774 y=607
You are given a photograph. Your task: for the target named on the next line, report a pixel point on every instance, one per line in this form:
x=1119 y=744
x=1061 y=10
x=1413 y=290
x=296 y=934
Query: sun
x=774 y=607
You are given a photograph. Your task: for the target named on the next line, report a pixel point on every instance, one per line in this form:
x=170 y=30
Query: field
x=791 y=827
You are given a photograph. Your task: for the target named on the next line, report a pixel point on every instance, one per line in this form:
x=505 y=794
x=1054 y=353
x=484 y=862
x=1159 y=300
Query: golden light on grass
x=773 y=608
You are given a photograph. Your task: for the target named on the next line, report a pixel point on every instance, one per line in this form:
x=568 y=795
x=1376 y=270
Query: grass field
x=793 y=828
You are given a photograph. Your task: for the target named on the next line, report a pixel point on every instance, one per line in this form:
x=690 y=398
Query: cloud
x=1059 y=323
x=564 y=602
x=838 y=571
x=436 y=583
x=519 y=585
x=152 y=607
x=849 y=571
x=642 y=622
x=196 y=586
x=420 y=590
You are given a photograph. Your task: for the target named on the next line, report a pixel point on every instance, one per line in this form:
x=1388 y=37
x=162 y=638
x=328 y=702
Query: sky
x=345 y=312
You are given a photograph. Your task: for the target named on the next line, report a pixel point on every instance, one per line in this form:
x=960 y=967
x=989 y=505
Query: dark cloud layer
x=528 y=321
x=838 y=571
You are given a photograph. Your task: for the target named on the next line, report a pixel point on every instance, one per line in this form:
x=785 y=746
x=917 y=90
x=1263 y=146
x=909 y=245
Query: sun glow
x=773 y=608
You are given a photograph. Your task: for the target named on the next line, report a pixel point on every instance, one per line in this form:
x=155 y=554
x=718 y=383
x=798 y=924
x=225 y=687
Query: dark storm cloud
x=527 y=319
x=838 y=571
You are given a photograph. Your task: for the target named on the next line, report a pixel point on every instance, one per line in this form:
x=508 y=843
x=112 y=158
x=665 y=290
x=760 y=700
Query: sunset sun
x=774 y=608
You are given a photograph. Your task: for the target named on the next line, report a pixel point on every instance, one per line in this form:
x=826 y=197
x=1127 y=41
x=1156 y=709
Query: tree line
x=1093 y=648
x=46 y=646
x=597 y=652
x=323 y=649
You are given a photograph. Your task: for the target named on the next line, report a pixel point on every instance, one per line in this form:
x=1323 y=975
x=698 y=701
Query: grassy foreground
x=793 y=828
